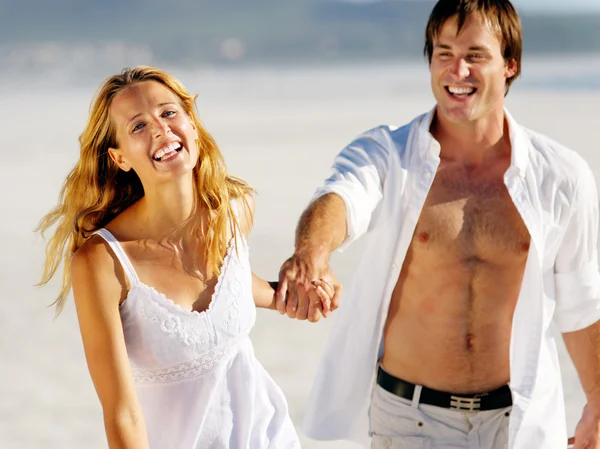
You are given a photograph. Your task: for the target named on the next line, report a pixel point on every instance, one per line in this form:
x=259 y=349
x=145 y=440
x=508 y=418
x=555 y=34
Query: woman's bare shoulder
x=95 y=266
x=94 y=252
x=245 y=206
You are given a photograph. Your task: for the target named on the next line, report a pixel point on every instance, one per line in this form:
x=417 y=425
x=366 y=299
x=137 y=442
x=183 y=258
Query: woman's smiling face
x=155 y=136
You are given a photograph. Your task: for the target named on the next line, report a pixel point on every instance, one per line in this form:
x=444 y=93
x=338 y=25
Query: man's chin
x=455 y=114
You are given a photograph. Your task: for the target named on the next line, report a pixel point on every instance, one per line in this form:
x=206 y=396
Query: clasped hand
x=307 y=288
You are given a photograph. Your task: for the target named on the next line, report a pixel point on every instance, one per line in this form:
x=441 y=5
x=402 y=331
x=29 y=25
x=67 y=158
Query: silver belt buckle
x=465 y=404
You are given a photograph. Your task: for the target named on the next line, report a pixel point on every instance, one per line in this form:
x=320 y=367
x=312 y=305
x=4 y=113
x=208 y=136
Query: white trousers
x=398 y=423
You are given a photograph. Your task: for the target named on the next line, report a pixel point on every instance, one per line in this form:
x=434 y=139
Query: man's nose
x=460 y=69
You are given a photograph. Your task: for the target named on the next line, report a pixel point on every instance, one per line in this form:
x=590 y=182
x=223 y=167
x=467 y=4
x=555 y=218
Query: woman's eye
x=138 y=127
x=169 y=113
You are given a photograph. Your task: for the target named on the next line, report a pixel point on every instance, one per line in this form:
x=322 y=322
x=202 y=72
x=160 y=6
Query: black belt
x=492 y=400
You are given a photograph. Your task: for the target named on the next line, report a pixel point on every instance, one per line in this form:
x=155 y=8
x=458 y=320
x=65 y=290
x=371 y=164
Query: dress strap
x=120 y=253
x=238 y=208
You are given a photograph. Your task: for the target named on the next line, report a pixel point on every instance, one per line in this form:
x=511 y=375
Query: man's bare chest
x=472 y=217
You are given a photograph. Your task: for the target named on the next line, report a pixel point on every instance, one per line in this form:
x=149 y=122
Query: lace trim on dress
x=155 y=309
x=232 y=305
x=187 y=370
x=224 y=267
x=169 y=302
x=188 y=332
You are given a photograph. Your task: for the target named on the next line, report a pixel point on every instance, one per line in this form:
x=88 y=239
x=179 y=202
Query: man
x=480 y=235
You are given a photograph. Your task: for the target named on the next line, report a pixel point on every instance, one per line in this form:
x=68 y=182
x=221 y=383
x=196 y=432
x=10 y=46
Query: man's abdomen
x=449 y=327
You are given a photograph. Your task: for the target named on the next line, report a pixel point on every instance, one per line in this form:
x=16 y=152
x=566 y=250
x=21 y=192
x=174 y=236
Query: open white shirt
x=384 y=177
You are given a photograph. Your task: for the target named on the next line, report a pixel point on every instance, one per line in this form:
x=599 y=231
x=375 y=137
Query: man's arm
x=340 y=213
x=320 y=231
x=322 y=227
x=584 y=348
x=577 y=287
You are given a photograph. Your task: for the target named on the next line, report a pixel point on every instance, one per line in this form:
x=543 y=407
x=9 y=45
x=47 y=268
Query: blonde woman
x=152 y=231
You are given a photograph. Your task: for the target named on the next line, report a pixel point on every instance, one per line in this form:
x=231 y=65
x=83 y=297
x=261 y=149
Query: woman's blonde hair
x=96 y=190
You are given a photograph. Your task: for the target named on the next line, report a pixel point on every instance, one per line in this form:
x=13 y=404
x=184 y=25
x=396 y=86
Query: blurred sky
x=560 y=5
x=544 y=5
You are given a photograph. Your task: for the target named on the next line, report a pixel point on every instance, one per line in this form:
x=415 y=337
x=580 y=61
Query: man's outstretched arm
x=322 y=227
x=321 y=230
x=340 y=213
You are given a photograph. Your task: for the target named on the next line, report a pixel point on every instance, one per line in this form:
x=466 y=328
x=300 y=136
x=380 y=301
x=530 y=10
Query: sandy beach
x=278 y=129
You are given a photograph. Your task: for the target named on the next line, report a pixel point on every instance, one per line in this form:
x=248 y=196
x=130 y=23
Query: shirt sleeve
x=358 y=175
x=577 y=280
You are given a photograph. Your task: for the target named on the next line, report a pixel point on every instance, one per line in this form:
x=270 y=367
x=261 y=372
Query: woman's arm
x=263 y=292
x=97 y=292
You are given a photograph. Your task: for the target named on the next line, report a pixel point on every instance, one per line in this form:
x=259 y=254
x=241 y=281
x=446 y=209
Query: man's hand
x=307 y=288
x=587 y=433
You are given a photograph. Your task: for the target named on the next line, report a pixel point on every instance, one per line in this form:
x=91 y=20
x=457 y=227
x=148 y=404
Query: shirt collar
x=519 y=143
x=426 y=142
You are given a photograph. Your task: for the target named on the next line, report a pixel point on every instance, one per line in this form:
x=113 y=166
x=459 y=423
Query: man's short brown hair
x=500 y=14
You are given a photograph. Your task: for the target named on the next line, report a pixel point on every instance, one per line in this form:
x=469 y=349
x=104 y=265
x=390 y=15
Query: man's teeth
x=461 y=90
x=167 y=151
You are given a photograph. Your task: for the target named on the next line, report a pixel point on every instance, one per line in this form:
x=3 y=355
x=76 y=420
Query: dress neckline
x=135 y=281
x=165 y=300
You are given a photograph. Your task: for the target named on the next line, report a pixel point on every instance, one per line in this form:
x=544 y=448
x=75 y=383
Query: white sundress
x=198 y=381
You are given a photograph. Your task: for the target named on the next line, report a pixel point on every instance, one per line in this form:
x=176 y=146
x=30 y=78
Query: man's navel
x=470 y=342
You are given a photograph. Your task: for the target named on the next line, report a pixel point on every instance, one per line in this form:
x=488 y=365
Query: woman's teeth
x=163 y=153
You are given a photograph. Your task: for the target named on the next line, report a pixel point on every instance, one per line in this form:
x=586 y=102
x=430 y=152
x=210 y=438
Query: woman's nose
x=160 y=127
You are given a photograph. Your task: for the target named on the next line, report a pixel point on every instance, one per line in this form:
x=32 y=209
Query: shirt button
x=394 y=266
x=384 y=442
x=427 y=175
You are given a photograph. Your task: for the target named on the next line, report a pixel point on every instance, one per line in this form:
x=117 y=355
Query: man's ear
x=119 y=159
x=511 y=68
